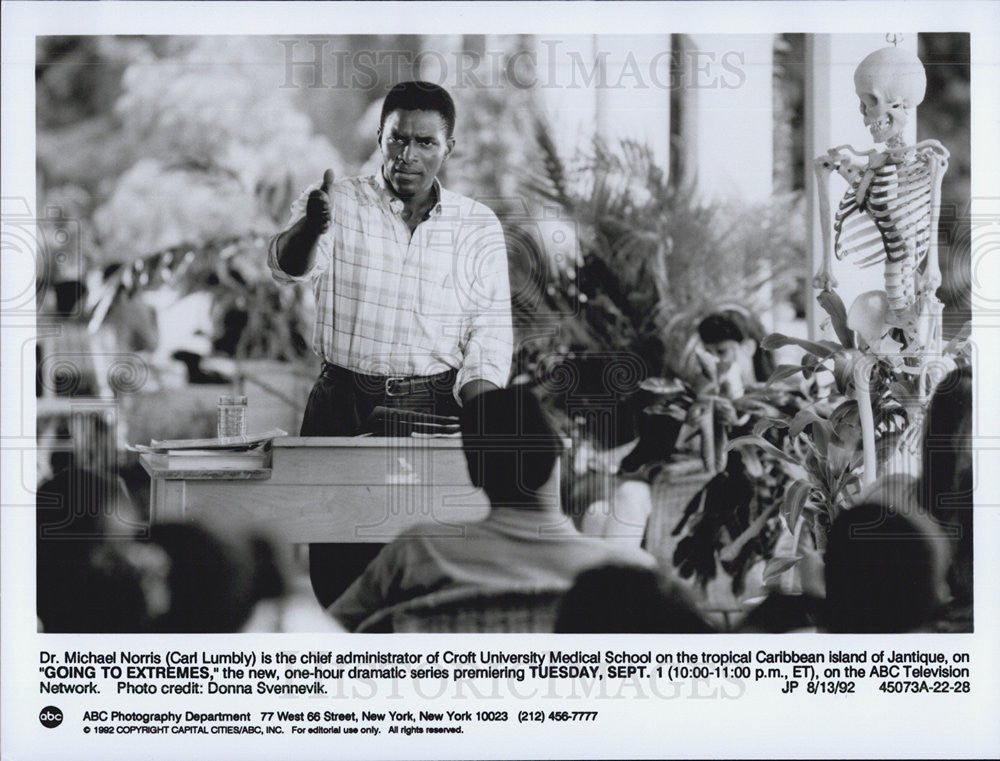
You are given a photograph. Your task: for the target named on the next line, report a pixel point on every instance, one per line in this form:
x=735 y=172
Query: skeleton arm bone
x=930 y=306
x=839 y=160
x=862 y=394
x=823 y=166
x=938 y=167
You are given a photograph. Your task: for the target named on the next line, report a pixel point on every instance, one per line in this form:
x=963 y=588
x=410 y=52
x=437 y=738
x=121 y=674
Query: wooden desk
x=329 y=489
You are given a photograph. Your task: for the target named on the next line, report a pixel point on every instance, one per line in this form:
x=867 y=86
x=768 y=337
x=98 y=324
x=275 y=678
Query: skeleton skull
x=890 y=83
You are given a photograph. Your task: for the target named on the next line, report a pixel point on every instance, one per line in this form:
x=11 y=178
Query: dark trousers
x=339 y=404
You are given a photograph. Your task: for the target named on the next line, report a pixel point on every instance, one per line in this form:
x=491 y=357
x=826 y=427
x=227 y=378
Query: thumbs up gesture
x=318 y=207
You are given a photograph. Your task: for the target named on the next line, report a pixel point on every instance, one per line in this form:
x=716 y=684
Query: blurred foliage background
x=166 y=162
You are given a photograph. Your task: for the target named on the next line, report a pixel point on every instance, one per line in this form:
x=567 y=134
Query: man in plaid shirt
x=411 y=286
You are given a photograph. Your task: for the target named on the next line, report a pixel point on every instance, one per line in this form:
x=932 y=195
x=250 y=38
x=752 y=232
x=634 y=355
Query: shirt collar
x=396 y=205
x=552 y=521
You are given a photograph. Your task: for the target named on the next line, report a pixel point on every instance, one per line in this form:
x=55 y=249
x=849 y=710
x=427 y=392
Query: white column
x=614 y=87
x=634 y=102
x=728 y=127
x=565 y=81
x=832 y=119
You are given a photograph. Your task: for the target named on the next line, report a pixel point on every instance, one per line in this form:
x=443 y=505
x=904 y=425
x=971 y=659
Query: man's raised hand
x=318 y=214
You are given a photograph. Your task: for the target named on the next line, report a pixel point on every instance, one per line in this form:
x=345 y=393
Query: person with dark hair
x=717 y=329
x=944 y=488
x=510 y=448
x=96 y=573
x=211 y=579
x=780 y=613
x=885 y=571
x=525 y=541
x=411 y=285
x=615 y=599
x=946 y=482
x=732 y=337
x=217 y=580
x=84 y=580
x=420 y=96
x=728 y=355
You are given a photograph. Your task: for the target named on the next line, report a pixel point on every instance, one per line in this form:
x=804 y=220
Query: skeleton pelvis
x=868 y=316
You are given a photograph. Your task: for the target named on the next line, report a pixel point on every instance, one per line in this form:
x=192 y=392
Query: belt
x=390 y=385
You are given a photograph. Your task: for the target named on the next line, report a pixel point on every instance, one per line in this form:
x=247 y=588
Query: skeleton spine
x=899 y=282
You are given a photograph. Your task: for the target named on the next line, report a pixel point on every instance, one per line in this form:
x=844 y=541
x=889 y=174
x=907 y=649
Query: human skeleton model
x=888 y=214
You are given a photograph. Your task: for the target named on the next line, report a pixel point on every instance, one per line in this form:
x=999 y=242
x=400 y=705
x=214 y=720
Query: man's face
x=414 y=145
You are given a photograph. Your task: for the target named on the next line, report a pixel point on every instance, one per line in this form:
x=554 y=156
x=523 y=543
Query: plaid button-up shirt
x=388 y=303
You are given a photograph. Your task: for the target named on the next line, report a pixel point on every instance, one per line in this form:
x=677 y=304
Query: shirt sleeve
x=323 y=252
x=488 y=338
x=371 y=591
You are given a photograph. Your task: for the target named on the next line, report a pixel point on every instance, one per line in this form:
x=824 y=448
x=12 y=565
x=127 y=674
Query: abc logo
x=51 y=717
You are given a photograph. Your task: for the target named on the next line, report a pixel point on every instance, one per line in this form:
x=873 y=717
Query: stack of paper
x=228 y=453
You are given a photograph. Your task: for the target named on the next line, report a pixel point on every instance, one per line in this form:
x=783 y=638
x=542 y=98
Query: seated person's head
x=618 y=599
x=947 y=445
x=884 y=571
x=83 y=505
x=780 y=613
x=947 y=471
x=94 y=590
x=726 y=341
x=213 y=579
x=510 y=447
x=85 y=581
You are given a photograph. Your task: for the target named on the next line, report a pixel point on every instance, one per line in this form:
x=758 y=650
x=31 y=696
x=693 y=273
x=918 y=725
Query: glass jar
x=232 y=416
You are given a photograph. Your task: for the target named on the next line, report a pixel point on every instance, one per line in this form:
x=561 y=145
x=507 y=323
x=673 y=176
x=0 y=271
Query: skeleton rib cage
x=897 y=198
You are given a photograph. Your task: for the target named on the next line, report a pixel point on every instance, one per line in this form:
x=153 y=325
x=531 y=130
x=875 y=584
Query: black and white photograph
x=659 y=337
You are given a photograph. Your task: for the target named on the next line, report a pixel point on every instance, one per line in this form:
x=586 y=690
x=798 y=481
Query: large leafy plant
x=821 y=452
x=798 y=458
x=654 y=256
x=651 y=248
x=254 y=317
x=650 y=254
x=732 y=521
